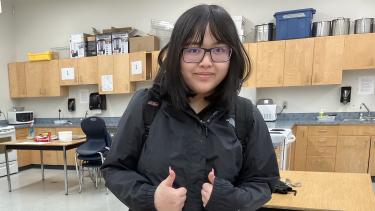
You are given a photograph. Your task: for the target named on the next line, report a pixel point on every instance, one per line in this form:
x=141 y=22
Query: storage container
x=321 y=28
x=65 y=136
x=294 y=24
x=363 y=25
x=47 y=55
x=340 y=26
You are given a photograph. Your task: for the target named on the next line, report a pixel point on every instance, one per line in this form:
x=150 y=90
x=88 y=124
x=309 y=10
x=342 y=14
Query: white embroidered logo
x=231 y=122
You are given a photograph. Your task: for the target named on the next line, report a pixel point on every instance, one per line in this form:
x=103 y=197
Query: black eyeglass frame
x=204 y=54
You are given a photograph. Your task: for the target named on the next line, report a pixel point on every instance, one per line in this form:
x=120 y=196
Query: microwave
x=20 y=117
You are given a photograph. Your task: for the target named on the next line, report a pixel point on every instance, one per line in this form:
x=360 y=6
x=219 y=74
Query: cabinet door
x=252 y=50
x=23 y=156
x=49 y=157
x=371 y=168
x=298 y=62
x=121 y=74
x=300 y=148
x=319 y=163
x=51 y=80
x=106 y=77
x=68 y=72
x=34 y=78
x=88 y=70
x=352 y=154
x=359 y=51
x=17 y=79
x=328 y=59
x=270 y=64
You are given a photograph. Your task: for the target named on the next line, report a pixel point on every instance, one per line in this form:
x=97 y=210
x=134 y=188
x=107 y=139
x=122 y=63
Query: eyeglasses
x=196 y=55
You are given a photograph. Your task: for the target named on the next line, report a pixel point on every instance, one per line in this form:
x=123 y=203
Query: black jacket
x=192 y=145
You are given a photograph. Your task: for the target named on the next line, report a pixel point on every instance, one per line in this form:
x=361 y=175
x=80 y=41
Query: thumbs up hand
x=166 y=197
x=207 y=188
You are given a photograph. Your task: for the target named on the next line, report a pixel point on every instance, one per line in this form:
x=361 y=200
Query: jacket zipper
x=205 y=123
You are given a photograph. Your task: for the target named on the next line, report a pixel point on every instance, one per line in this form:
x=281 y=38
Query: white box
x=104 y=44
x=65 y=136
x=78 y=45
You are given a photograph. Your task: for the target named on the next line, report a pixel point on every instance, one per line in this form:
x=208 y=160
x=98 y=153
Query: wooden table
x=31 y=145
x=326 y=191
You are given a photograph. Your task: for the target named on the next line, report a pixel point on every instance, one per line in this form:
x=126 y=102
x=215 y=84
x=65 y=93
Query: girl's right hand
x=166 y=197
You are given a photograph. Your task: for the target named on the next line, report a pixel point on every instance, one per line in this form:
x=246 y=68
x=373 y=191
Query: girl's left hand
x=207 y=188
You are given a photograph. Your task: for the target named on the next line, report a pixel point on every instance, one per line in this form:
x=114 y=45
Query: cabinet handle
x=322 y=139
x=323 y=131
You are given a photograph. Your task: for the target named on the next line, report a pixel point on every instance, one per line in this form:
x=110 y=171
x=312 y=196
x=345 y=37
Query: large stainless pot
x=263 y=32
x=321 y=28
x=340 y=26
x=363 y=25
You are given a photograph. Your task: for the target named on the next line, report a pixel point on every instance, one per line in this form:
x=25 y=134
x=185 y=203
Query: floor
x=32 y=194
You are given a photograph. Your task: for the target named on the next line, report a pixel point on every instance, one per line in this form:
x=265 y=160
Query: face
x=204 y=76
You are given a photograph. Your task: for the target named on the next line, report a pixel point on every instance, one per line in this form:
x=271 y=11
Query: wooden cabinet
x=298 y=62
x=49 y=157
x=42 y=79
x=359 y=51
x=82 y=70
x=328 y=58
x=270 y=64
x=371 y=167
x=300 y=148
x=252 y=50
x=17 y=79
x=352 y=154
x=321 y=148
x=114 y=74
x=23 y=156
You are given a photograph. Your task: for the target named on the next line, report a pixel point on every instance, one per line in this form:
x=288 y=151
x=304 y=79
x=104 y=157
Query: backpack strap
x=150 y=108
x=244 y=119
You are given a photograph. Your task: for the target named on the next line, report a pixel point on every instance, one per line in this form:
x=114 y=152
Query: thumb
x=170 y=179
x=211 y=176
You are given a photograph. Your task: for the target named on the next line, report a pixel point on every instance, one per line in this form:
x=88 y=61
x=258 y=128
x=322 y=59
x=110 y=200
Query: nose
x=207 y=60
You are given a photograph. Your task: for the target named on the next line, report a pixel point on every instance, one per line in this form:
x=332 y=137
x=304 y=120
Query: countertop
x=326 y=191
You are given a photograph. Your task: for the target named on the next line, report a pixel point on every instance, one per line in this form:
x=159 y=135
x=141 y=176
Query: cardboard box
x=91 y=46
x=154 y=64
x=120 y=42
x=78 y=45
x=115 y=30
x=104 y=44
x=140 y=66
x=147 y=43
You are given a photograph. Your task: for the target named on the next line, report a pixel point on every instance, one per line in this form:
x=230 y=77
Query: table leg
x=8 y=171
x=41 y=163
x=66 y=172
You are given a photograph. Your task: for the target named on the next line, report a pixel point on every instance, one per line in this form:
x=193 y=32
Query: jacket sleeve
x=259 y=170
x=120 y=167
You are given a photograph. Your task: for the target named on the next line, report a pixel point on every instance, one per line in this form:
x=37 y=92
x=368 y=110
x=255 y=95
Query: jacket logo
x=231 y=122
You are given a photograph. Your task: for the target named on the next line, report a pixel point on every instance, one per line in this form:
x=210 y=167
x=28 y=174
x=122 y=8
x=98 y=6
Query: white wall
x=44 y=24
x=7 y=52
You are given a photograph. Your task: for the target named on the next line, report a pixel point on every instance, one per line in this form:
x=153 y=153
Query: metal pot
x=363 y=25
x=340 y=26
x=264 y=32
x=321 y=28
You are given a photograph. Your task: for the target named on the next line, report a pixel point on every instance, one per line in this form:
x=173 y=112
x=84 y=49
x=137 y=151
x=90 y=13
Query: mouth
x=204 y=75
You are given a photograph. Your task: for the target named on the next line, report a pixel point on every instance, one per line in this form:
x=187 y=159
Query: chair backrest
x=97 y=136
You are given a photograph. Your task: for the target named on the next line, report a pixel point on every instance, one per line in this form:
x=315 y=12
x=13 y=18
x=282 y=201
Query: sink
x=60 y=121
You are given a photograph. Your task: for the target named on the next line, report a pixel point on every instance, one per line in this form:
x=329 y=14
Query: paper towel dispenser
x=97 y=101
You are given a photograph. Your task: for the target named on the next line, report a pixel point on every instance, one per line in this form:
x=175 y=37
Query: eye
x=193 y=50
x=219 y=50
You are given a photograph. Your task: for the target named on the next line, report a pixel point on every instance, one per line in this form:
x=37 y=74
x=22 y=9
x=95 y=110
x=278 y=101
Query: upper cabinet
x=328 y=58
x=114 y=75
x=298 y=62
x=252 y=51
x=270 y=64
x=17 y=79
x=78 y=71
x=42 y=79
x=359 y=52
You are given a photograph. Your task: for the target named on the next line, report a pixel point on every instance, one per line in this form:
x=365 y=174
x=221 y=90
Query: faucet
x=367 y=109
x=86 y=113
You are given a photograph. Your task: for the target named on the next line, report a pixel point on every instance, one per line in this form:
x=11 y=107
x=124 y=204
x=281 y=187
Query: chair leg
x=80 y=177
x=96 y=177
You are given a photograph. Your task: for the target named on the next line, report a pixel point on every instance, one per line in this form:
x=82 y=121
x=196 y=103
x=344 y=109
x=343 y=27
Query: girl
x=191 y=158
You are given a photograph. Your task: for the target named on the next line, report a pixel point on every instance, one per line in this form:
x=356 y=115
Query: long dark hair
x=190 y=28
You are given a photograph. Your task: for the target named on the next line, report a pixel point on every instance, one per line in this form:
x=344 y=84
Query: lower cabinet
x=333 y=148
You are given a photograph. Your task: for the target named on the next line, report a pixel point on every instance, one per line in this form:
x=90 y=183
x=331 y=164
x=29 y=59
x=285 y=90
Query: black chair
x=92 y=153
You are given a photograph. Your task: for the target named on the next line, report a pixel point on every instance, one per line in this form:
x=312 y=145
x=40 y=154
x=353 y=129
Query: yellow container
x=44 y=56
